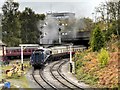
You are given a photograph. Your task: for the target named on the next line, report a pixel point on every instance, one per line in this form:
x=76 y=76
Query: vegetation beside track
x=99 y=68
x=16 y=77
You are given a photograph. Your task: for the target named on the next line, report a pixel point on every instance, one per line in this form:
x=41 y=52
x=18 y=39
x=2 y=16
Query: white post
x=70 y=53
x=21 y=57
x=40 y=39
x=25 y=45
x=71 y=58
x=59 y=37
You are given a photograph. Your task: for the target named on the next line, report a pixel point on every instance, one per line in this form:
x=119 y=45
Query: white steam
x=50 y=29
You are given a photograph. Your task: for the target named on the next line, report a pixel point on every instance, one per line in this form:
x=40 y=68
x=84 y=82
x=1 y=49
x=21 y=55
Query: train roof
x=39 y=50
x=58 y=47
x=19 y=47
x=64 y=46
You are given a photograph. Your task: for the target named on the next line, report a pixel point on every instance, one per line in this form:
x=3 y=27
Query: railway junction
x=41 y=72
x=56 y=75
x=57 y=50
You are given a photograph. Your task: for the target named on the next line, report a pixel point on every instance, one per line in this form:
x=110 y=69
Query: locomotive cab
x=39 y=57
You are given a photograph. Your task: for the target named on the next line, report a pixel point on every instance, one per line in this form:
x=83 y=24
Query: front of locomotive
x=37 y=58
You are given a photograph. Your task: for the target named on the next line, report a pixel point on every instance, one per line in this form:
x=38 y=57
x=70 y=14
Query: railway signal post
x=21 y=57
x=23 y=46
x=71 y=57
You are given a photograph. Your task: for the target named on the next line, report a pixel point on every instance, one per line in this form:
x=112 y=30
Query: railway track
x=41 y=81
x=51 y=77
x=60 y=73
x=55 y=71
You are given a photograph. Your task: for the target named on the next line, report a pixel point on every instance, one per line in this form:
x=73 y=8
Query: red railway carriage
x=16 y=51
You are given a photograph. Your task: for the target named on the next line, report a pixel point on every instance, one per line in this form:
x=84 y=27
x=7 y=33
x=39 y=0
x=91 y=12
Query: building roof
x=1 y=43
x=61 y=15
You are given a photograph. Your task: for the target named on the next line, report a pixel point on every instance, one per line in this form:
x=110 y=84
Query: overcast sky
x=82 y=8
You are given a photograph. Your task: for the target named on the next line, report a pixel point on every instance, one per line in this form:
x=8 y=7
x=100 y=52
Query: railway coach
x=15 y=52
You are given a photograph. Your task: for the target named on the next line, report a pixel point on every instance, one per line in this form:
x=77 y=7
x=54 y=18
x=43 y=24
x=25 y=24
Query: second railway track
x=55 y=70
x=51 y=77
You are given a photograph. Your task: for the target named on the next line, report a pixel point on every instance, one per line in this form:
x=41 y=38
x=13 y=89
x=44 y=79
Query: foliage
x=111 y=30
x=10 y=23
x=78 y=64
x=88 y=67
x=103 y=57
x=16 y=79
x=97 y=39
x=79 y=55
x=18 y=27
x=113 y=43
x=89 y=25
x=29 y=29
x=14 y=70
x=78 y=59
x=84 y=24
x=110 y=20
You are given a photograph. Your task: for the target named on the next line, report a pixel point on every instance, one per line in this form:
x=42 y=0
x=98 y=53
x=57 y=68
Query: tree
x=97 y=39
x=109 y=12
x=10 y=23
x=84 y=24
x=89 y=25
x=118 y=23
x=0 y=27
x=29 y=29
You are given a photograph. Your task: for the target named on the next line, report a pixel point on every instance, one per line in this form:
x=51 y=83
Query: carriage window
x=7 y=51
x=18 y=50
x=29 y=50
x=14 y=50
x=25 y=50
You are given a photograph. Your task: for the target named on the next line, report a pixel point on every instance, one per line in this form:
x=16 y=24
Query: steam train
x=40 y=56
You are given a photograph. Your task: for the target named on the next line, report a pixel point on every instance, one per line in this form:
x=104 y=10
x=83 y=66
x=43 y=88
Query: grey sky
x=82 y=8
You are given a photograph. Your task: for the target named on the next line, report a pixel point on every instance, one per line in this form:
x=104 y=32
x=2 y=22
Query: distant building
x=63 y=15
x=55 y=25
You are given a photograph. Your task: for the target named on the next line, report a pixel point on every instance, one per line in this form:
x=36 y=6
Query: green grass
x=21 y=82
x=15 y=80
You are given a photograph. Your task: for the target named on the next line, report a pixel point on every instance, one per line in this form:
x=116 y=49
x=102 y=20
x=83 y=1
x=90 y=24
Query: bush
x=97 y=40
x=103 y=57
x=78 y=59
x=78 y=64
